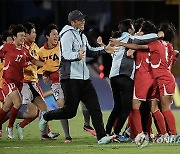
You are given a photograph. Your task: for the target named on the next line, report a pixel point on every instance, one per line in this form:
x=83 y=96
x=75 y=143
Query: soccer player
x=31 y=90
x=49 y=54
x=6 y=37
x=74 y=76
x=161 y=53
x=16 y=58
x=122 y=76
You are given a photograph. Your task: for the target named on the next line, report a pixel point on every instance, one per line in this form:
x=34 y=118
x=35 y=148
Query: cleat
x=125 y=139
x=163 y=138
x=126 y=133
x=47 y=138
x=68 y=140
x=90 y=130
x=9 y=132
x=53 y=135
x=42 y=124
x=117 y=139
x=0 y=133
x=177 y=138
x=106 y=140
x=19 y=131
x=142 y=140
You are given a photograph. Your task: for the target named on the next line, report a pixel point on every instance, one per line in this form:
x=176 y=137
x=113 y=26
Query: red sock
x=12 y=116
x=170 y=119
x=2 y=116
x=160 y=121
x=156 y=125
x=5 y=119
x=137 y=120
x=26 y=122
x=133 y=132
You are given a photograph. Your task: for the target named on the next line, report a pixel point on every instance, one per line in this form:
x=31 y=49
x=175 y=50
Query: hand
x=46 y=79
x=130 y=53
x=160 y=34
x=82 y=54
x=114 y=42
x=111 y=49
x=99 y=41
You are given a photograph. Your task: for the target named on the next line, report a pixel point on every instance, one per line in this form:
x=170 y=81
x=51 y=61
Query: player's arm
x=128 y=45
x=37 y=62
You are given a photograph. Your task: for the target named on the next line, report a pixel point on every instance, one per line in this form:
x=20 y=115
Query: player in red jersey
x=16 y=58
x=160 y=59
x=6 y=37
x=31 y=92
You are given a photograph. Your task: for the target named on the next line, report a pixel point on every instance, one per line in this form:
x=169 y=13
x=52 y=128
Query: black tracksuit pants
x=75 y=91
x=122 y=88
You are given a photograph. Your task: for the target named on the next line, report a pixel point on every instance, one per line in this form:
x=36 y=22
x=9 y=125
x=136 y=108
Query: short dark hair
x=4 y=36
x=169 y=31
x=48 y=29
x=18 y=28
x=29 y=26
x=148 y=27
x=124 y=25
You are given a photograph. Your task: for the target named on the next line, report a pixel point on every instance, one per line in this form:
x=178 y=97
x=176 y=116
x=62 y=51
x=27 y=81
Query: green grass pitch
x=83 y=142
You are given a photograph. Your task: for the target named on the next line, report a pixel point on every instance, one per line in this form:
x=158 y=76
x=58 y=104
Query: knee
x=17 y=104
x=33 y=114
x=71 y=114
x=6 y=109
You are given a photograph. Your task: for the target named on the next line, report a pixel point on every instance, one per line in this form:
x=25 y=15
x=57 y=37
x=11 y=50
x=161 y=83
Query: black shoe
x=68 y=139
x=46 y=137
x=87 y=127
x=90 y=130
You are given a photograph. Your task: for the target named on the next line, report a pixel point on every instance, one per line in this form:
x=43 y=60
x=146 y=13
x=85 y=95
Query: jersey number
x=18 y=58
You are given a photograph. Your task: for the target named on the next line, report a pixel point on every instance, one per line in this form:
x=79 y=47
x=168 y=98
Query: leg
x=89 y=98
x=86 y=116
x=126 y=92
x=113 y=117
x=168 y=114
x=158 y=116
x=64 y=122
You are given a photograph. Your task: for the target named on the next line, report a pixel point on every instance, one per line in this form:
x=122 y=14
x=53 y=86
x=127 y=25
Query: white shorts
x=30 y=91
x=57 y=91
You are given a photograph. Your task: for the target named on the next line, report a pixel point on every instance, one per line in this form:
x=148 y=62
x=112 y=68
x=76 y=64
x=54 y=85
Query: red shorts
x=166 y=85
x=11 y=85
x=145 y=88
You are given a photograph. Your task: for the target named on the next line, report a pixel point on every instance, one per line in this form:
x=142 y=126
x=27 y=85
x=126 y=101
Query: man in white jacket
x=74 y=76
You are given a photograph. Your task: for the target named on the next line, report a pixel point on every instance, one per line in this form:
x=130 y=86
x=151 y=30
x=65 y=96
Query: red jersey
x=143 y=67
x=15 y=61
x=159 y=58
x=171 y=55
